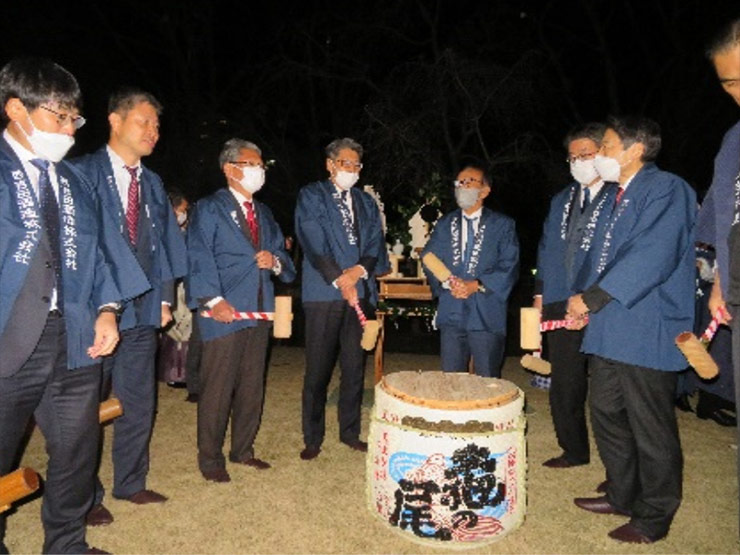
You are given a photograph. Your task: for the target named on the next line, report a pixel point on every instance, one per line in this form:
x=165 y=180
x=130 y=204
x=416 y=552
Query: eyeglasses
x=348 y=164
x=64 y=119
x=584 y=156
x=467 y=182
x=250 y=164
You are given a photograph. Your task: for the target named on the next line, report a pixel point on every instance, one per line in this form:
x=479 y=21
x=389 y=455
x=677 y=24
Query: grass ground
x=320 y=506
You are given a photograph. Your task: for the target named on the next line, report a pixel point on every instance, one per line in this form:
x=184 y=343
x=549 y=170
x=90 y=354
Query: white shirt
x=123 y=177
x=33 y=174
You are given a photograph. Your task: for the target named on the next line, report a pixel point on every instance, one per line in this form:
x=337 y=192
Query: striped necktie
x=132 y=211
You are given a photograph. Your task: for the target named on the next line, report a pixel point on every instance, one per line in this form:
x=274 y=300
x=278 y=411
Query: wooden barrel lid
x=449 y=390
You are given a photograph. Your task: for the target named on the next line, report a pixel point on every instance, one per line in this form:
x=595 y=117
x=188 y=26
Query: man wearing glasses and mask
x=341 y=234
x=235 y=247
x=566 y=235
x=481 y=249
x=61 y=277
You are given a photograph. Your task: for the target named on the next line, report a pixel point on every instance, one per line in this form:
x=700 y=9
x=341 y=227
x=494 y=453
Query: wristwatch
x=115 y=310
x=481 y=288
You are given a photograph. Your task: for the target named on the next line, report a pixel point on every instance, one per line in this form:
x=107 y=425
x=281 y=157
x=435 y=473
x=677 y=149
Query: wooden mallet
x=436 y=266
x=109 y=410
x=530 y=338
x=17 y=485
x=695 y=349
x=370 y=329
x=282 y=317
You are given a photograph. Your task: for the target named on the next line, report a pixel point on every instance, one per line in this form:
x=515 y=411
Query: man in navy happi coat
x=567 y=234
x=134 y=199
x=235 y=246
x=720 y=212
x=61 y=277
x=341 y=234
x=638 y=293
x=481 y=249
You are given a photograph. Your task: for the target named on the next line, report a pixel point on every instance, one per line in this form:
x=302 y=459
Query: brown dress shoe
x=628 y=533
x=357 y=445
x=310 y=453
x=254 y=462
x=216 y=475
x=99 y=516
x=144 y=497
x=599 y=505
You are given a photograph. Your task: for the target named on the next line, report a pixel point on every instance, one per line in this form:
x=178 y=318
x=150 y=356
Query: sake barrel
x=447 y=460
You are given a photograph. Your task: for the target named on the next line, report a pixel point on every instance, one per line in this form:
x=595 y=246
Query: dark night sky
x=425 y=85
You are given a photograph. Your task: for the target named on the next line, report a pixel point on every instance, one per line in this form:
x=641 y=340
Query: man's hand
x=265 y=260
x=577 y=309
x=223 y=312
x=350 y=276
x=166 y=315
x=349 y=294
x=576 y=324
x=106 y=335
x=461 y=289
x=537 y=302
x=717 y=302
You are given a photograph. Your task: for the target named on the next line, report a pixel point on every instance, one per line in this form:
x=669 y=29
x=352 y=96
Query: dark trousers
x=735 y=311
x=130 y=372
x=568 y=390
x=232 y=381
x=634 y=423
x=331 y=327
x=457 y=345
x=192 y=363
x=65 y=406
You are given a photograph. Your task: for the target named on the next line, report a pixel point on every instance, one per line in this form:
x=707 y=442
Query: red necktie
x=620 y=192
x=132 y=212
x=252 y=223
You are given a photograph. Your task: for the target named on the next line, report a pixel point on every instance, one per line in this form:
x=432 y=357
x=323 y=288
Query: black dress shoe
x=254 y=462
x=144 y=497
x=560 y=462
x=95 y=550
x=192 y=398
x=630 y=534
x=310 y=453
x=357 y=445
x=602 y=487
x=599 y=505
x=99 y=516
x=718 y=415
x=218 y=475
x=683 y=404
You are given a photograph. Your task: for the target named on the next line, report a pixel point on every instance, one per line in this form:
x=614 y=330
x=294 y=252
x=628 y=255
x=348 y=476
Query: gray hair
x=231 y=149
x=592 y=131
x=727 y=38
x=333 y=148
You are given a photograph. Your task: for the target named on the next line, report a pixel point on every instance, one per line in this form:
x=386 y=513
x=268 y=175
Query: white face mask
x=252 y=179
x=345 y=180
x=48 y=146
x=608 y=167
x=583 y=171
x=466 y=198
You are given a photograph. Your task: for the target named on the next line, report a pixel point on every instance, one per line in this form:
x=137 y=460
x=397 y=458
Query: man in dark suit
x=58 y=295
x=481 y=250
x=235 y=246
x=566 y=231
x=340 y=231
x=133 y=197
x=637 y=285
